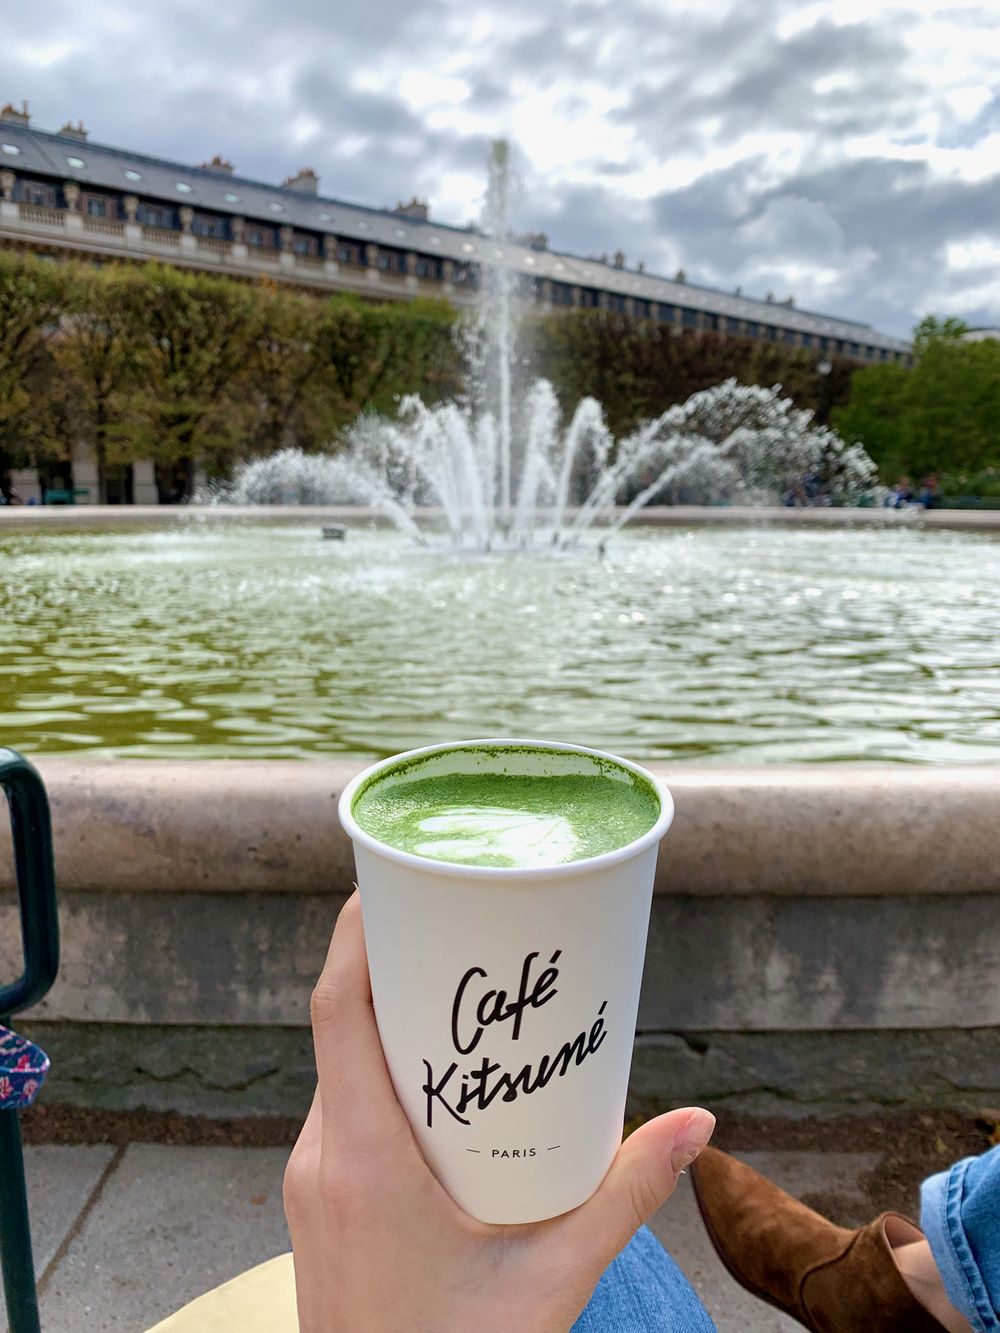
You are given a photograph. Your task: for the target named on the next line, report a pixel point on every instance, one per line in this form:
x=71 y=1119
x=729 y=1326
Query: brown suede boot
x=828 y=1278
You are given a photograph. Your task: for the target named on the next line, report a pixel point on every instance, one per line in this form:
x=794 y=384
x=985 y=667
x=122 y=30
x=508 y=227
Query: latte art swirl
x=475 y=833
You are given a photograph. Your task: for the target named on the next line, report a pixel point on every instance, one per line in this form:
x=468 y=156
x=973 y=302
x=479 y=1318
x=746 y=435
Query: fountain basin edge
x=822 y=937
x=16 y=518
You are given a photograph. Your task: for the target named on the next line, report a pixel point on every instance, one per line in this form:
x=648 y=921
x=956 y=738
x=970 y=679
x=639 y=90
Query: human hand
x=380 y=1247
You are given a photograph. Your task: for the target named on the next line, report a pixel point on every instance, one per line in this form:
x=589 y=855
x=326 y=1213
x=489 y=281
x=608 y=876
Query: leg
x=643 y=1291
x=960 y=1216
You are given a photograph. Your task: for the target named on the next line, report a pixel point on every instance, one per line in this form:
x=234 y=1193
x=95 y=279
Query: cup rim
x=460 y=870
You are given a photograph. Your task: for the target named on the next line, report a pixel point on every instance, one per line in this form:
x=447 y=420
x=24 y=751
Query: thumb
x=641 y=1179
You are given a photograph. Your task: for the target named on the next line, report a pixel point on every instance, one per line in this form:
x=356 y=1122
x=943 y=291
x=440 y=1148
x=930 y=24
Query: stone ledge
x=830 y=830
x=86 y=516
x=255 y=1071
x=750 y=964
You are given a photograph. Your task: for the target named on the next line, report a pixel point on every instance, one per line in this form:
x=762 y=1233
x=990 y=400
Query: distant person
x=930 y=492
x=900 y=495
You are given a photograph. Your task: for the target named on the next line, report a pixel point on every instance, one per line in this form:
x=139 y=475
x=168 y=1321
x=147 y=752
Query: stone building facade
x=63 y=196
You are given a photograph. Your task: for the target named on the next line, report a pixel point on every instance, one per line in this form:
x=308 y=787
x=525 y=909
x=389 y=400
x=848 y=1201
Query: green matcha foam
x=506 y=807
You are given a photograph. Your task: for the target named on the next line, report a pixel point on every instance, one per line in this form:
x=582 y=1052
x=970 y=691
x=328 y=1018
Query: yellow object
x=262 y=1300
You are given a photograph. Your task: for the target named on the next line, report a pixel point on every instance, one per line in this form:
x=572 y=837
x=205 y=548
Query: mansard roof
x=104 y=167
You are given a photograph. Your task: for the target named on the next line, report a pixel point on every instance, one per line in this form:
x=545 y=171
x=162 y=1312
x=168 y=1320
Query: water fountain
x=505 y=474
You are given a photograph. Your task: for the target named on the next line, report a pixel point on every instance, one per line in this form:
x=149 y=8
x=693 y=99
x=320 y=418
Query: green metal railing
x=36 y=891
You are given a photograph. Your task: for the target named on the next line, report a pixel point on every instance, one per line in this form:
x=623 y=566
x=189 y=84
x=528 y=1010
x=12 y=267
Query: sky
x=844 y=153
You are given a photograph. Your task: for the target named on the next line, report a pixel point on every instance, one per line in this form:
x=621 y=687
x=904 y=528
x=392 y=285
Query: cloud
x=840 y=150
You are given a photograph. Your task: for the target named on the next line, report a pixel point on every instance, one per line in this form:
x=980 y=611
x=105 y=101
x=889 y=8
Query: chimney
x=534 y=240
x=71 y=131
x=218 y=163
x=619 y=259
x=10 y=114
x=305 y=180
x=680 y=276
x=416 y=208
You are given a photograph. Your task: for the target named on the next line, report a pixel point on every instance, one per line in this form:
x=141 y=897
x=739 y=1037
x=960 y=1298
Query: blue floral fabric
x=22 y=1070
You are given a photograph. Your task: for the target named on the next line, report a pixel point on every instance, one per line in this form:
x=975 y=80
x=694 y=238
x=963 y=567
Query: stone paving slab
x=680 y=1228
x=173 y=1222
x=60 y=1181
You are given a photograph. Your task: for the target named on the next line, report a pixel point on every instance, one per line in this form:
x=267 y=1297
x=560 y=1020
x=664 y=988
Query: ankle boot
x=830 y=1279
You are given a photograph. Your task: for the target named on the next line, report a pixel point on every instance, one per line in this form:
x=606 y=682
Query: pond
x=767 y=645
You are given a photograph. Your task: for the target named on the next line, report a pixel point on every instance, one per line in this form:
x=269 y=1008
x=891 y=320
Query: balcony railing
x=215 y=245
x=38 y=213
x=105 y=226
x=161 y=236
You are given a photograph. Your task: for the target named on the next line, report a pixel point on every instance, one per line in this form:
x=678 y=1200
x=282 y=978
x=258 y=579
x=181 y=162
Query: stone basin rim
x=83 y=517
x=796 y=830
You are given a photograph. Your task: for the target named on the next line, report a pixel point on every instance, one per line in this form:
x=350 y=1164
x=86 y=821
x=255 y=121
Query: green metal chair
x=20 y=1078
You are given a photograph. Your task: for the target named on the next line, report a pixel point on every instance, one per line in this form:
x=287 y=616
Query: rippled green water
x=757 y=645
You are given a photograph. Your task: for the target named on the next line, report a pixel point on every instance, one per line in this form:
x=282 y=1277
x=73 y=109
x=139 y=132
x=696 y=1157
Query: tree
x=97 y=355
x=942 y=416
x=875 y=415
x=283 y=380
x=639 y=368
x=32 y=300
x=952 y=417
x=936 y=329
x=199 y=333
x=374 y=354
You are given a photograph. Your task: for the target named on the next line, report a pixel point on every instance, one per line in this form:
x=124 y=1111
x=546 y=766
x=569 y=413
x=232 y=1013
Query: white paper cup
x=547 y=1084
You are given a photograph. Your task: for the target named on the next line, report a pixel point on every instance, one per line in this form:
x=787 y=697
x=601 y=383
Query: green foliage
x=32 y=298
x=943 y=416
x=97 y=356
x=874 y=415
x=937 y=329
x=638 y=368
x=181 y=367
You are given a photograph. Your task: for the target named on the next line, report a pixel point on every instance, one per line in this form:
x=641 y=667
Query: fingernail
x=692 y=1139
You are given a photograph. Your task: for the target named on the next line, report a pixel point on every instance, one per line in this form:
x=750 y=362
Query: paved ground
x=124 y=1236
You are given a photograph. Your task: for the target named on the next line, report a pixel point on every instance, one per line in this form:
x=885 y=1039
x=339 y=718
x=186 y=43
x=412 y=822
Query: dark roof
x=101 y=166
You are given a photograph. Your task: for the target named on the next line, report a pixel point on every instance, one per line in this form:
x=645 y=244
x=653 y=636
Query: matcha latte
x=498 y=807
x=505 y=888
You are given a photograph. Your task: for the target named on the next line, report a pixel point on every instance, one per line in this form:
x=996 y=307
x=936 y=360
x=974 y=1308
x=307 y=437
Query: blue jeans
x=643 y=1291
x=960 y=1216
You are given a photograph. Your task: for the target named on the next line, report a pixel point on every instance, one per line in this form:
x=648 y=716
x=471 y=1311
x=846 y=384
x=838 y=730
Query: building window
x=349 y=253
x=182 y=187
x=205 y=224
x=131 y=175
x=37 y=193
x=99 y=206
x=11 y=149
x=76 y=162
x=640 y=308
x=156 y=215
x=391 y=261
x=561 y=293
x=305 y=245
x=616 y=303
x=689 y=318
x=466 y=275
x=428 y=268
x=262 y=237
